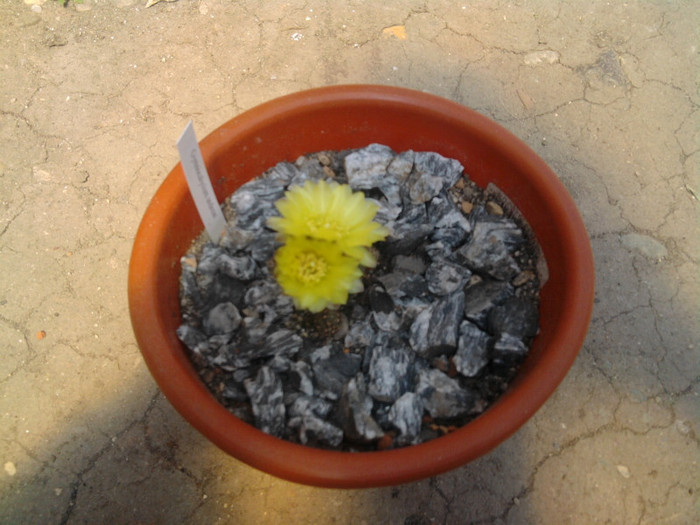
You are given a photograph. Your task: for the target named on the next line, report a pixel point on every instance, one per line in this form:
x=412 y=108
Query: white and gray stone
x=356 y=412
x=406 y=414
x=436 y=329
x=390 y=369
x=472 y=350
x=442 y=396
x=266 y=398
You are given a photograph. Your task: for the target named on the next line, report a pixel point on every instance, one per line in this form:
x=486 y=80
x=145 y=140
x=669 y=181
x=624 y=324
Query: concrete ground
x=94 y=95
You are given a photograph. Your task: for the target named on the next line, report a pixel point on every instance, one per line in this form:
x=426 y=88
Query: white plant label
x=200 y=184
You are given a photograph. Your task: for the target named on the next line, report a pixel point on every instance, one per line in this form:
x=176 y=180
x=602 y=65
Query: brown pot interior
x=338 y=118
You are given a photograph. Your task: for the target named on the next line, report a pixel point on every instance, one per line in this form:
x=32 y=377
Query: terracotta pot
x=337 y=118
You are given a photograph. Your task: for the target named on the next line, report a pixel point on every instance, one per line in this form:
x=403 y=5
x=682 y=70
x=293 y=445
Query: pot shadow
x=155 y=468
x=158 y=469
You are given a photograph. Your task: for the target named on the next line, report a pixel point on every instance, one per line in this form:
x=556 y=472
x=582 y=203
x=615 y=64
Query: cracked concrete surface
x=93 y=97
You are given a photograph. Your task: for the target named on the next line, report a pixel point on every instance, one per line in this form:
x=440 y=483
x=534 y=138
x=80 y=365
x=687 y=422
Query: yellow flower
x=316 y=273
x=332 y=213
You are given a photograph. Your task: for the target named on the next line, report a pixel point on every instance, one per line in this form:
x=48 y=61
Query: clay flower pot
x=336 y=118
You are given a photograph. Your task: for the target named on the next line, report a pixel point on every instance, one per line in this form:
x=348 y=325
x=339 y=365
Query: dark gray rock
x=390 y=369
x=262 y=292
x=443 y=213
x=415 y=214
x=449 y=170
x=481 y=297
x=503 y=229
x=400 y=284
x=208 y=263
x=299 y=377
x=190 y=336
x=188 y=280
x=422 y=186
x=402 y=165
x=411 y=264
x=255 y=329
x=451 y=238
x=242 y=268
x=516 y=316
x=216 y=267
x=264 y=246
x=266 y=399
x=472 y=350
x=366 y=168
x=391 y=189
x=264 y=342
x=281 y=364
x=282 y=342
x=307 y=173
x=233 y=389
x=235 y=239
x=332 y=369
x=436 y=329
x=508 y=350
x=380 y=413
x=314 y=430
x=223 y=356
x=442 y=396
x=221 y=288
x=310 y=168
x=356 y=412
x=388 y=322
x=254 y=202
x=439 y=251
x=406 y=237
x=444 y=277
x=358 y=312
x=224 y=318
x=283 y=172
x=360 y=335
x=406 y=415
x=266 y=297
x=387 y=213
x=489 y=250
x=419 y=332
x=305 y=405
x=379 y=299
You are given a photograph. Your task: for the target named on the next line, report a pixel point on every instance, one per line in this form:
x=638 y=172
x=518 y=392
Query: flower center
x=311 y=268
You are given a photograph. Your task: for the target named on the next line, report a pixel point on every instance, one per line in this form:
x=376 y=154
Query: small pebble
x=522 y=278
x=624 y=471
x=467 y=207
x=494 y=208
x=682 y=427
x=10 y=468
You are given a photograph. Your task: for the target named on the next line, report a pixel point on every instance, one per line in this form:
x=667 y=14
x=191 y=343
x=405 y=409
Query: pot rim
x=170 y=367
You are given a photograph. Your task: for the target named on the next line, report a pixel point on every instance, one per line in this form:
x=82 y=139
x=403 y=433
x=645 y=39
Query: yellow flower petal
x=316 y=274
x=327 y=230
x=330 y=212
